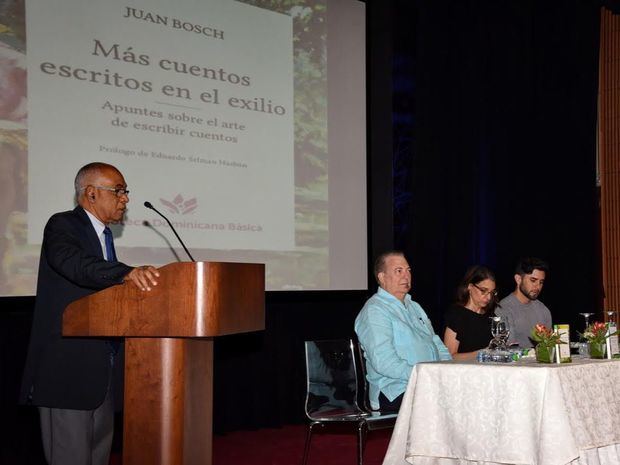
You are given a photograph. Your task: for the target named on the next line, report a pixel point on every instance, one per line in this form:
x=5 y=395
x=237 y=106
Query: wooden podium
x=169 y=351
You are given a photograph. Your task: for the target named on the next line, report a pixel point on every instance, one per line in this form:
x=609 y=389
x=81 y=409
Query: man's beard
x=528 y=294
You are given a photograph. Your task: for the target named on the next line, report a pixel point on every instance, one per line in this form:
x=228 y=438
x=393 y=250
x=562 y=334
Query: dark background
x=481 y=149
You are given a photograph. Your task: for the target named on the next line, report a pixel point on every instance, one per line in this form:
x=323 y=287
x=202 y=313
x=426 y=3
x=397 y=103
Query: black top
x=473 y=330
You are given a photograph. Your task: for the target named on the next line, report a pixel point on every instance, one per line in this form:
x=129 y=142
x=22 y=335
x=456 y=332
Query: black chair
x=332 y=392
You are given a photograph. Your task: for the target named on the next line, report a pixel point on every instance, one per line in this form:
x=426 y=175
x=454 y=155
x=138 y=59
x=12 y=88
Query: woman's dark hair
x=475 y=275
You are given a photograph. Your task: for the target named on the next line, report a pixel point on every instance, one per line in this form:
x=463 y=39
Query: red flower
x=545 y=336
x=596 y=332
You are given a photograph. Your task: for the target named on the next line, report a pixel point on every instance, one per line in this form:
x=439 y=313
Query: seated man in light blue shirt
x=395 y=333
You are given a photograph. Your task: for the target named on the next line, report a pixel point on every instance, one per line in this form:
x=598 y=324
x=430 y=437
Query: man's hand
x=144 y=277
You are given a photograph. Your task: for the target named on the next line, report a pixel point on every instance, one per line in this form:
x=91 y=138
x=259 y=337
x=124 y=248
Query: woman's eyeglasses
x=486 y=292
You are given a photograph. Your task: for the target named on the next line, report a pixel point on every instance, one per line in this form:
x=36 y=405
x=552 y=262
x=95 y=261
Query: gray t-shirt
x=522 y=318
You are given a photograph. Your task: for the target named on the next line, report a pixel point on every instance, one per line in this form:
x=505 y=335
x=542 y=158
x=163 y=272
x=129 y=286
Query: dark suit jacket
x=70 y=373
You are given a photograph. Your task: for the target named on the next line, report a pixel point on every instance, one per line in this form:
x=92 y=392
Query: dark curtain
x=504 y=154
x=20 y=435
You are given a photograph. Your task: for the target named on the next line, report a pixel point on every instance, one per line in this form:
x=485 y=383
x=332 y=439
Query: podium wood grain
x=169 y=351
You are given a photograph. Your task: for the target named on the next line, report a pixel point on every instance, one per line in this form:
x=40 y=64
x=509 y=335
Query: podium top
x=201 y=299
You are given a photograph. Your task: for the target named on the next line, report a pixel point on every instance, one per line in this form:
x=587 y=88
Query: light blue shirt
x=395 y=336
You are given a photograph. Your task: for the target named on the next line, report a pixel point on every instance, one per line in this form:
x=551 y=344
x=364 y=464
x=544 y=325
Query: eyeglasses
x=485 y=292
x=119 y=191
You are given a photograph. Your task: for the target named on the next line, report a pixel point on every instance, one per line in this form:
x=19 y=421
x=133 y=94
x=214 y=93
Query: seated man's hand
x=143 y=276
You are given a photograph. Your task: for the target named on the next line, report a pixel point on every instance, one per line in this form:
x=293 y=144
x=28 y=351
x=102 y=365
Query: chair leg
x=361 y=441
x=307 y=446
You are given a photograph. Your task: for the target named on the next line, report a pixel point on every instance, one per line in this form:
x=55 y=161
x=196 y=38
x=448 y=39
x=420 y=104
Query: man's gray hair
x=86 y=171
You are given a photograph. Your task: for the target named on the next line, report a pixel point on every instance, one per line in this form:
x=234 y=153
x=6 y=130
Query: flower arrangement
x=544 y=336
x=596 y=333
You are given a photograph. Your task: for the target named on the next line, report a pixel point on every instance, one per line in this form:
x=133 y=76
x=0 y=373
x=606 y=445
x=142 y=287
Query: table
x=456 y=413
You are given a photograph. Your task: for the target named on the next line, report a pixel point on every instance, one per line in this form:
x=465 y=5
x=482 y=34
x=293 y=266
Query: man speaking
x=69 y=379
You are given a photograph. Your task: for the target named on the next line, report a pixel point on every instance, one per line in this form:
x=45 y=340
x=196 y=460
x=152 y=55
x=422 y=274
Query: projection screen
x=242 y=121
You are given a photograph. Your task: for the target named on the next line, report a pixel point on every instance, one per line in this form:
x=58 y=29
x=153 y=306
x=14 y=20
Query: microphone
x=148 y=204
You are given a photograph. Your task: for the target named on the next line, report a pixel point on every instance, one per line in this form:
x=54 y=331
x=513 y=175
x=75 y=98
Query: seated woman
x=468 y=322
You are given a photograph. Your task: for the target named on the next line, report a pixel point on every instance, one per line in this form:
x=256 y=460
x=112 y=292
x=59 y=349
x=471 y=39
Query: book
x=613 y=347
x=563 y=350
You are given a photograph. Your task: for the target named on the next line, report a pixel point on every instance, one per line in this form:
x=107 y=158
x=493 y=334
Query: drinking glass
x=586 y=316
x=503 y=332
x=500 y=333
x=611 y=317
x=584 y=348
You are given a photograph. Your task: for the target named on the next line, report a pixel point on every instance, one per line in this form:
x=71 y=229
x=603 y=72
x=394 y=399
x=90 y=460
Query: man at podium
x=69 y=379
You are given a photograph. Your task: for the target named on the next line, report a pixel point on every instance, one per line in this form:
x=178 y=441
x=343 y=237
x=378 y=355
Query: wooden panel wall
x=609 y=155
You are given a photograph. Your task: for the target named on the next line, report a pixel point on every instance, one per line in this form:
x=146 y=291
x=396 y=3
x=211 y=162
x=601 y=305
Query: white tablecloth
x=456 y=413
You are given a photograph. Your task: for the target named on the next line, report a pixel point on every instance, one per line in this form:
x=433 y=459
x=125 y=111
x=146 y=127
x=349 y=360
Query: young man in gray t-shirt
x=522 y=309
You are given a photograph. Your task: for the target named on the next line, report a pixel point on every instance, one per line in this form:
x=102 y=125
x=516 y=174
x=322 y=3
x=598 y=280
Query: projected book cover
x=215 y=112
